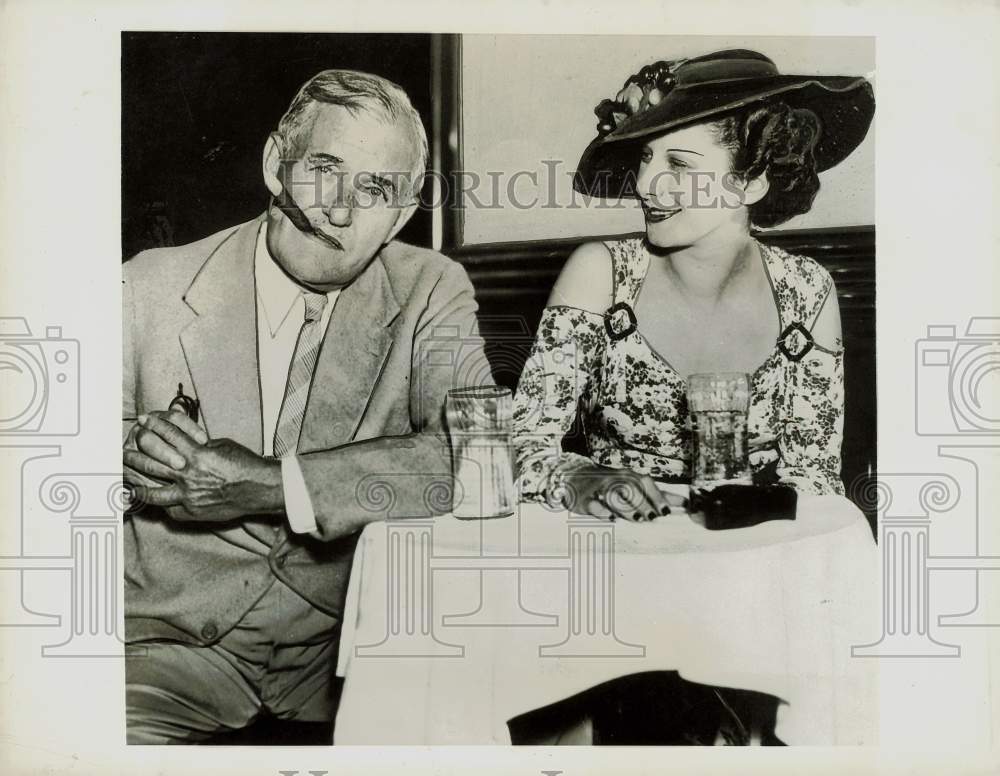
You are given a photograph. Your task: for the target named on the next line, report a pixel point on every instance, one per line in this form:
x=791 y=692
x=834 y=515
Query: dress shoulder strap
x=801 y=285
x=629 y=260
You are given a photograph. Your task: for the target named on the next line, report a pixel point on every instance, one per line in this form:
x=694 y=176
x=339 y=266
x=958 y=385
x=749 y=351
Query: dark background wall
x=198 y=107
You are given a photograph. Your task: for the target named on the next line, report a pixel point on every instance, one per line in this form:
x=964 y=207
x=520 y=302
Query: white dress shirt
x=280 y=315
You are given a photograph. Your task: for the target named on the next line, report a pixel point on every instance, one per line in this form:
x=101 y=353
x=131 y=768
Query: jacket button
x=280 y=561
x=209 y=632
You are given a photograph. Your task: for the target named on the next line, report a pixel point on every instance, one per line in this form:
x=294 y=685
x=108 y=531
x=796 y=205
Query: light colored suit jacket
x=372 y=443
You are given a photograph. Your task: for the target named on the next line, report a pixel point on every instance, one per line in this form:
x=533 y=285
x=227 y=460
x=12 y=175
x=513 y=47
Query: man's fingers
x=174 y=417
x=135 y=477
x=155 y=446
x=179 y=514
x=129 y=442
x=169 y=433
x=185 y=424
x=167 y=496
x=148 y=466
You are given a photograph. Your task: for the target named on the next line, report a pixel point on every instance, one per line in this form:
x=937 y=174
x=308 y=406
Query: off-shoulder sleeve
x=565 y=357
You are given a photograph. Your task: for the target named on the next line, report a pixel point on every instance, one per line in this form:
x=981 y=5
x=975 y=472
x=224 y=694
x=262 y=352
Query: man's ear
x=271 y=163
x=755 y=189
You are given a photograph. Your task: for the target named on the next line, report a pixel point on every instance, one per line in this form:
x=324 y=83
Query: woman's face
x=686 y=189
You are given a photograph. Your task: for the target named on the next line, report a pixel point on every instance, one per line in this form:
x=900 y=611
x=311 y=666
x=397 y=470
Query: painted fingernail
x=665 y=509
x=652 y=514
x=638 y=517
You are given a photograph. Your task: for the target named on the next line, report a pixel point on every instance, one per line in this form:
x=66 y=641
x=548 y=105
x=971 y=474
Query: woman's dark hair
x=773 y=138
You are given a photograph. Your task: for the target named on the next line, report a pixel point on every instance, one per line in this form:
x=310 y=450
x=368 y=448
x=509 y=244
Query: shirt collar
x=277 y=292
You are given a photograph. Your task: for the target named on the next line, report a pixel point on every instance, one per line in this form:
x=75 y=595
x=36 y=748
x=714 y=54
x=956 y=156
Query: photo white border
x=937 y=245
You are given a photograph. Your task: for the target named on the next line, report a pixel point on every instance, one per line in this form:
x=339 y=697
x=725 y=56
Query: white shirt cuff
x=298 y=505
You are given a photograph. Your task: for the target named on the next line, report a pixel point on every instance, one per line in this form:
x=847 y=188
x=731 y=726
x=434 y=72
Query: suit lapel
x=220 y=344
x=354 y=351
x=220 y=347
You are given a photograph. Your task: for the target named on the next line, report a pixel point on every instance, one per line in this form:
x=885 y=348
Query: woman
x=710 y=146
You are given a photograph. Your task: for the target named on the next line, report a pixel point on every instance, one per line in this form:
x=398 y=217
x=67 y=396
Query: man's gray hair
x=356 y=91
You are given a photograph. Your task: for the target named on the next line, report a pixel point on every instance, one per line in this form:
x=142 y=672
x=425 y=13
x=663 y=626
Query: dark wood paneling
x=445 y=139
x=504 y=270
x=513 y=280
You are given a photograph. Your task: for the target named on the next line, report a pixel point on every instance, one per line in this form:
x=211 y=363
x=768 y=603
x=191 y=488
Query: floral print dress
x=633 y=403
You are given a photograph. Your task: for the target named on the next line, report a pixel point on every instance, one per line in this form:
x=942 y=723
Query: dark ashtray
x=741 y=506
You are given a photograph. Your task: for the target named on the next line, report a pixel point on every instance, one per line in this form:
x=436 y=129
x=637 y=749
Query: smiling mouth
x=655 y=215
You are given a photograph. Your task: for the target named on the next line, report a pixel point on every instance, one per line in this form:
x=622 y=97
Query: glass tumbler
x=479 y=427
x=718 y=403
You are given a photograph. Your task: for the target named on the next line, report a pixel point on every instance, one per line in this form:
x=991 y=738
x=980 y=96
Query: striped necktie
x=293 y=405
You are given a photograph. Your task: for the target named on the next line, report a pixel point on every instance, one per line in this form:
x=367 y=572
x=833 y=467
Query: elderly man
x=305 y=355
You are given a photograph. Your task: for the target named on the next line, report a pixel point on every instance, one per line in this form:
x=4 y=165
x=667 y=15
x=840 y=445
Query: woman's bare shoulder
x=586 y=279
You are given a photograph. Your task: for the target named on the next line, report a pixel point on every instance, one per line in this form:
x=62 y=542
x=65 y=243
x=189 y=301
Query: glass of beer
x=479 y=426
x=718 y=403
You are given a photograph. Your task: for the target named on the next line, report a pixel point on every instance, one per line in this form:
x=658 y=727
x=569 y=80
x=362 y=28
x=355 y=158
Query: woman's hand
x=616 y=493
x=763 y=450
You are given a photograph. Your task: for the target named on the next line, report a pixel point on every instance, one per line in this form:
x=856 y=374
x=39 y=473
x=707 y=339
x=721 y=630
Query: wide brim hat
x=690 y=91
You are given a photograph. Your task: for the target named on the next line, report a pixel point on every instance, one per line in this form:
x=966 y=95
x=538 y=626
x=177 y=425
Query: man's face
x=344 y=176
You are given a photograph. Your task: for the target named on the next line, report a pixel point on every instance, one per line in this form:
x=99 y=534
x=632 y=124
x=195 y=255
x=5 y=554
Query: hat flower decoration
x=641 y=91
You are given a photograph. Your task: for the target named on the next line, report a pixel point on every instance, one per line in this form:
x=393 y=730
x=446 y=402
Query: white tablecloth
x=452 y=626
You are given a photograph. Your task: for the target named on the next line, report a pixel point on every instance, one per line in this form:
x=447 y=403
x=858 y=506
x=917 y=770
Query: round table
x=452 y=626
